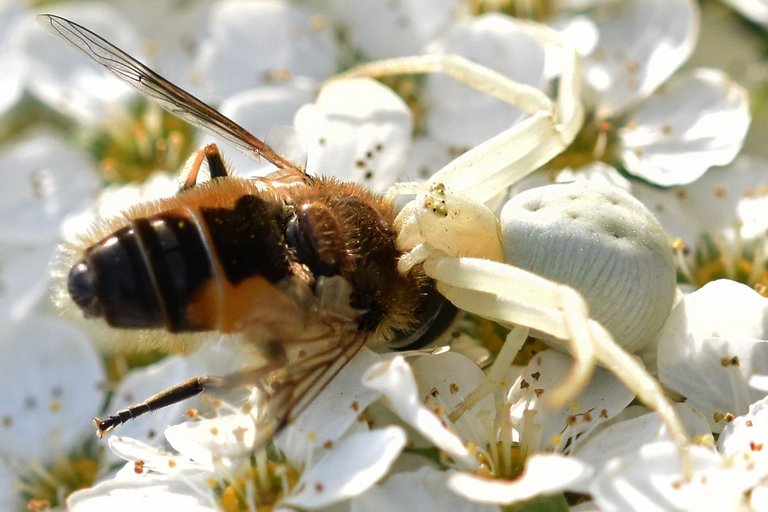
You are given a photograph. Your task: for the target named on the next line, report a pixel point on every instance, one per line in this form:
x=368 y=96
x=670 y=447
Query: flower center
x=47 y=487
x=717 y=258
x=143 y=140
x=259 y=487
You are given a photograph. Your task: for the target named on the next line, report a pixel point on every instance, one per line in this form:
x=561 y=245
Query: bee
x=303 y=267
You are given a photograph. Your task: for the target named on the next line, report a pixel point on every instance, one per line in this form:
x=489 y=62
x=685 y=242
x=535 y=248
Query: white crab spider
x=448 y=228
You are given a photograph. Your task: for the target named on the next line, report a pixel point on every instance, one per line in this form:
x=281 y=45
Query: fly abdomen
x=143 y=275
x=188 y=268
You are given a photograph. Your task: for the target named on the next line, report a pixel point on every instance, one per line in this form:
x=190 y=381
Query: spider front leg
x=494 y=165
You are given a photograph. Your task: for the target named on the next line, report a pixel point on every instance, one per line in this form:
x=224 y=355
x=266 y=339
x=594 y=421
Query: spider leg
x=512 y=154
x=510 y=295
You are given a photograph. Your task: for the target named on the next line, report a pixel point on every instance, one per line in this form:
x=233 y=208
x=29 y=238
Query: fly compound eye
x=81 y=285
x=434 y=317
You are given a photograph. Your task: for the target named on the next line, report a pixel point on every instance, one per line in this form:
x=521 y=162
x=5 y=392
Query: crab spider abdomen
x=604 y=243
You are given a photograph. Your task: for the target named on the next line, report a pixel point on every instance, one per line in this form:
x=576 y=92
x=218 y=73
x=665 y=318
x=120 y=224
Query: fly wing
x=287 y=390
x=168 y=95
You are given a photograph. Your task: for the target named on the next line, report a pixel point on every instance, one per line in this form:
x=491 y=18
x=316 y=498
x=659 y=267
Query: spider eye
x=433 y=319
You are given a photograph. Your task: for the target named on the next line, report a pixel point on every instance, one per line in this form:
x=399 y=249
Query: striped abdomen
x=188 y=268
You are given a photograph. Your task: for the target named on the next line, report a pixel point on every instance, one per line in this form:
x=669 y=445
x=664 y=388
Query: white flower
x=62 y=78
x=13 y=61
x=392 y=29
x=745 y=439
x=710 y=347
x=664 y=134
x=49 y=181
x=289 y=41
x=498 y=444
x=720 y=219
x=649 y=479
x=356 y=130
x=51 y=380
x=755 y=10
x=638 y=467
x=326 y=457
x=463 y=117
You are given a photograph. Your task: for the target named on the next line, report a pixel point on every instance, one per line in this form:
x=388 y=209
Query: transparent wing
x=289 y=389
x=166 y=94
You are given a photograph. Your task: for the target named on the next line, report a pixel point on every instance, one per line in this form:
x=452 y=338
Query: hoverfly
x=304 y=267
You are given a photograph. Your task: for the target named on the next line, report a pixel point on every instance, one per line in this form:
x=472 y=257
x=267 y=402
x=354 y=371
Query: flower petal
x=67 y=81
x=711 y=345
x=697 y=121
x=151 y=493
x=424 y=489
x=51 y=377
x=603 y=398
x=393 y=29
x=357 y=130
x=289 y=42
x=394 y=379
x=650 y=479
x=349 y=468
x=332 y=413
x=745 y=439
x=641 y=43
x=623 y=437
x=50 y=181
x=152 y=459
x=544 y=474
x=464 y=117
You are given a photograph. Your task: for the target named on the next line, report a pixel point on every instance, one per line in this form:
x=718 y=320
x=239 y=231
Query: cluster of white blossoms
x=417 y=430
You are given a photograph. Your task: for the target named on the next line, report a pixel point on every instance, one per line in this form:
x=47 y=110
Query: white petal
x=51 y=380
x=64 y=78
x=712 y=344
x=447 y=379
x=421 y=490
x=544 y=474
x=152 y=459
x=641 y=43
x=332 y=413
x=603 y=398
x=50 y=180
x=24 y=274
x=13 y=62
x=464 y=117
x=215 y=440
x=697 y=121
x=394 y=380
x=147 y=494
x=357 y=130
x=263 y=111
x=755 y=10
x=14 y=66
x=288 y=40
x=427 y=157
x=350 y=468
x=650 y=479
x=747 y=436
x=758 y=498
x=714 y=204
x=623 y=437
x=171 y=46
x=393 y=29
